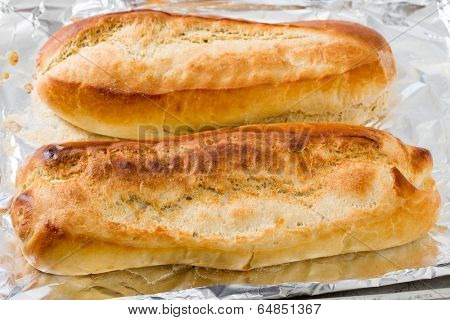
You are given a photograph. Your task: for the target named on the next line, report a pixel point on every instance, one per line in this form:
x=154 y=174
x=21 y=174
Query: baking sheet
x=418 y=32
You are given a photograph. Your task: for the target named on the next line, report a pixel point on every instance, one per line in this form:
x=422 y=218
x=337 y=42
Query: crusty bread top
x=242 y=147
x=153 y=53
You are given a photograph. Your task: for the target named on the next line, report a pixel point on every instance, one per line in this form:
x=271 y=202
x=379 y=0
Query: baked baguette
x=236 y=199
x=121 y=74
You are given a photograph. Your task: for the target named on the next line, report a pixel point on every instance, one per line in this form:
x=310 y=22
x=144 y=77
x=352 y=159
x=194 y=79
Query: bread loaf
x=235 y=199
x=122 y=74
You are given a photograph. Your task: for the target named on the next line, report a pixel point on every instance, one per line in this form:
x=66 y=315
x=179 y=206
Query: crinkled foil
x=418 y=32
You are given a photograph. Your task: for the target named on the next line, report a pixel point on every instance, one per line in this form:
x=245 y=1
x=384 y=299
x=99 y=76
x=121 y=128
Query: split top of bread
x=123 y=74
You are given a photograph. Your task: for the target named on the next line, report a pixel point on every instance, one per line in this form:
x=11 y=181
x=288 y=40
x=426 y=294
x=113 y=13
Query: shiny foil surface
x=419 y=34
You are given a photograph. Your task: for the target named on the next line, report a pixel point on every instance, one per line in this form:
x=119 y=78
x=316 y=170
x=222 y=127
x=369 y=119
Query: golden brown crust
x=368 y=40
x=232 y=198
x=155 y=69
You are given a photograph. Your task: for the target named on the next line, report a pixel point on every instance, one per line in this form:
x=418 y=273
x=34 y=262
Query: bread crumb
x=13 y=57
x=28 y=87
x=5 y=75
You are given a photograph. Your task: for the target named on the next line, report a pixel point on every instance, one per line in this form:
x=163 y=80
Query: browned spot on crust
x=53 y=230
x=402 y=186
x=46 y=236
x=56 y=154
x=421 y=158
x=125 y=165
x=297 y=143
x=22 y=214
x=156 y=167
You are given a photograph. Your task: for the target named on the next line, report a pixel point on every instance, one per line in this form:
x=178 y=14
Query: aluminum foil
x=418 y=32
